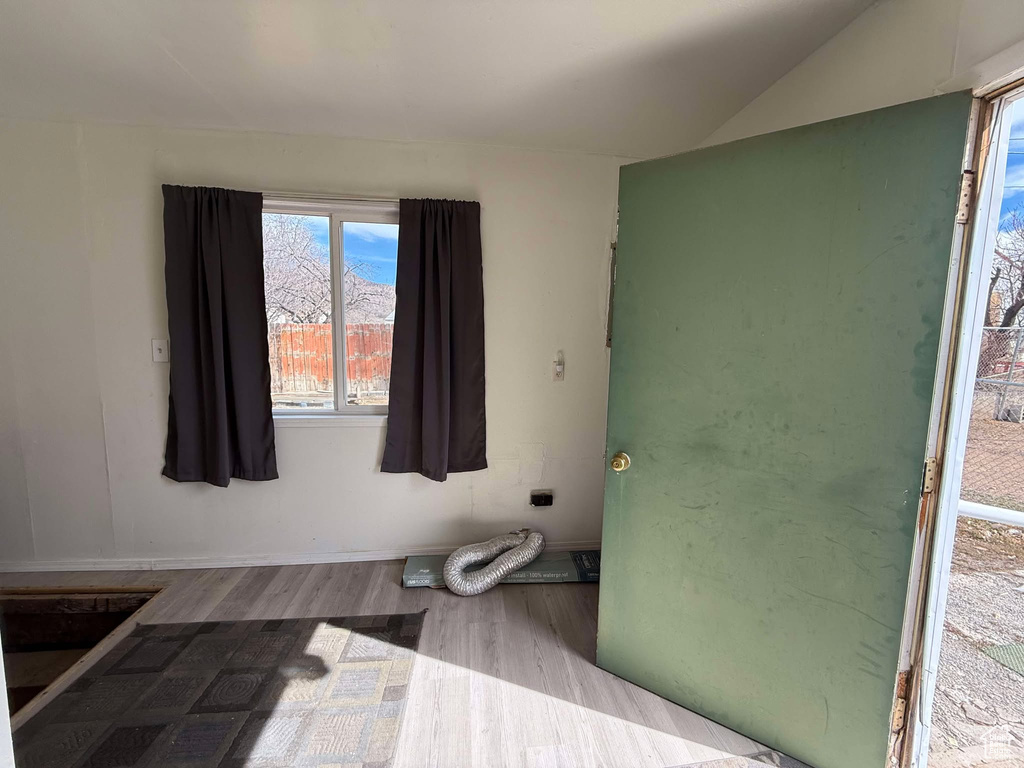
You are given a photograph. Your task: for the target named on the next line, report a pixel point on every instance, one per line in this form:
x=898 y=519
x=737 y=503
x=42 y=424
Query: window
x=329 y=272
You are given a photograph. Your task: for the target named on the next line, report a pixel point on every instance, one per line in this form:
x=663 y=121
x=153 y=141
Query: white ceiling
x=638 y=78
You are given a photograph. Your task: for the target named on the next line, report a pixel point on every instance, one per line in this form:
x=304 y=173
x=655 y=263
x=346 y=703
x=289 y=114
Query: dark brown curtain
x=219 y=422
x=436 y=422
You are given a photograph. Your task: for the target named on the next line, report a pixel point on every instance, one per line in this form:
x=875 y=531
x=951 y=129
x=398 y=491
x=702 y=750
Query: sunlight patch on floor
x=458 y=717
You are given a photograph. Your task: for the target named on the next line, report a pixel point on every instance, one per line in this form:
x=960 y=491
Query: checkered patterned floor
x=274 y=694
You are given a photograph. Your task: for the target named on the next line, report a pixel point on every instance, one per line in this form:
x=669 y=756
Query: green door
x=778 y=304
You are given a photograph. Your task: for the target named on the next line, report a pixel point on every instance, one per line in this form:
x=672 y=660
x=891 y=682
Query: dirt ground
x=984 y=546
x=978 y=717
x=994 y=461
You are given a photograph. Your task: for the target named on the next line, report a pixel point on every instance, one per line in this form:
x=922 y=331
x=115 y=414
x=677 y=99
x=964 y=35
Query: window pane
x=370 y=259
x=297 y=278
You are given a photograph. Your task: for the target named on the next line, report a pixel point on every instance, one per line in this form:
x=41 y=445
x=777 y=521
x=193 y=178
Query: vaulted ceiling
x=637 y=78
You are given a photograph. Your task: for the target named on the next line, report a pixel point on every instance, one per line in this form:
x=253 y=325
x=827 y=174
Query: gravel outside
x=978 y=717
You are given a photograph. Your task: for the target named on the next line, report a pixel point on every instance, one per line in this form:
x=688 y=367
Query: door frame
x=903 y=723
x=966 y=298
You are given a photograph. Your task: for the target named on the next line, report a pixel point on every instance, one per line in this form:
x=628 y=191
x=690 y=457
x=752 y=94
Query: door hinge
x=965 y=202
x=899 y=719
x=899 y=710
x=931 y=472
x=611 y=294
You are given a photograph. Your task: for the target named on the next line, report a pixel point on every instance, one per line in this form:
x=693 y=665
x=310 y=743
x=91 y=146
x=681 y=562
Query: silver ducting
x=508 y=553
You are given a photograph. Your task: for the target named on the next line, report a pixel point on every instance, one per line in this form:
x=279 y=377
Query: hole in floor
x=46 y=630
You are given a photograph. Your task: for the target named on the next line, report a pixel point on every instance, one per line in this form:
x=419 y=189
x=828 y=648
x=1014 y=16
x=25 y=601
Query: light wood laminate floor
x=506 y=678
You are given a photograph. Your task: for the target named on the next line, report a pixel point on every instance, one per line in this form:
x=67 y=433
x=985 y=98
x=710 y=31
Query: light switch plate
x=161 y=353
x=558 y=368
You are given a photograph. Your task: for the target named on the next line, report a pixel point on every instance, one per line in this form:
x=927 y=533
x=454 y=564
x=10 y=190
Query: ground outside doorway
x=978 y=719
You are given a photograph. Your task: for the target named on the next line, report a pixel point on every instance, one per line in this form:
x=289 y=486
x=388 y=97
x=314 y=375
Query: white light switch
x=160 y=351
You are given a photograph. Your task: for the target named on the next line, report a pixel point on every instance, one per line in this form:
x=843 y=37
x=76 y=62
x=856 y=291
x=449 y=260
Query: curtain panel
x=436 y=419
x=219 y=423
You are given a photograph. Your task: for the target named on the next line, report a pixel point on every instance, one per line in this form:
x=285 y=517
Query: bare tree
x=297 y=277
x=366 y=301
x=297 y=271
x=1005 y=292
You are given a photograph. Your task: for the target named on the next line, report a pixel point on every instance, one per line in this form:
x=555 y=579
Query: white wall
x=83 y=410
x=896 y=51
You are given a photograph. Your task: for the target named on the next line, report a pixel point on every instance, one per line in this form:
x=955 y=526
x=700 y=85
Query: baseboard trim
x=246 y=561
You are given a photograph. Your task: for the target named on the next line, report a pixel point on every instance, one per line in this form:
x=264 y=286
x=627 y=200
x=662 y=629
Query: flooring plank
x=506 y=678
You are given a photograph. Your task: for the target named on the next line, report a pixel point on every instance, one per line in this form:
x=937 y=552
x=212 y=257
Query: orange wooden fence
x=302 y=357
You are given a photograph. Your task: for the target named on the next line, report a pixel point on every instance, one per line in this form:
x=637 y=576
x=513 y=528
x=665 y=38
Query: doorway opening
x=971 y=705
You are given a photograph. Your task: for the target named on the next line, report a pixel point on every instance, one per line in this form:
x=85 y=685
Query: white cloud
x=371 y=232
x=1014 y=174
x=1013 y=187
x=1017 y=120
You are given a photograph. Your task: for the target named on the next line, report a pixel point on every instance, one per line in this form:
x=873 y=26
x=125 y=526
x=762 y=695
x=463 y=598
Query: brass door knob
x=620 y=461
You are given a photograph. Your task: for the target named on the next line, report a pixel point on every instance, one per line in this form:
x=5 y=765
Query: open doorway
x=971 y=707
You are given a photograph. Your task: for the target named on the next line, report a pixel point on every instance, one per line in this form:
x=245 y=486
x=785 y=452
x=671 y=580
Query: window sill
x=330 y=420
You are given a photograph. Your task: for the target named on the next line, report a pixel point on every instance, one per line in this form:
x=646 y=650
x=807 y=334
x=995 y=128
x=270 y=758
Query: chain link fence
x=994 y=460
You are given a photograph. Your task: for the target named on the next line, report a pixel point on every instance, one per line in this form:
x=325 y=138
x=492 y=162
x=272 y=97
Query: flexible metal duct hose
x=509 y=552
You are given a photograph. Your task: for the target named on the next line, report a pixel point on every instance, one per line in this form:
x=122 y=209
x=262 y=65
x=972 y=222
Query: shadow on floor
x=310 y=692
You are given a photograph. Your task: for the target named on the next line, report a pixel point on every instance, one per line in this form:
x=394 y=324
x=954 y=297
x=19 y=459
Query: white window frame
x=338 y=211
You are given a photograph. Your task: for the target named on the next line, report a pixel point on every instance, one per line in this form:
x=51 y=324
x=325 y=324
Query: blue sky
x=1013 y=189
x=375 y=245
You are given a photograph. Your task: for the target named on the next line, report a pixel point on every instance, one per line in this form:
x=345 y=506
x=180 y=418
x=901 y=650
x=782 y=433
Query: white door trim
x=950 y=313
x=982 y=246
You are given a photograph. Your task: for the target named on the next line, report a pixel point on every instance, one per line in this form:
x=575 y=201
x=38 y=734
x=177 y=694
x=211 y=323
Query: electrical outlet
x=161 y=351
x=558 y=371
x=542 y=498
